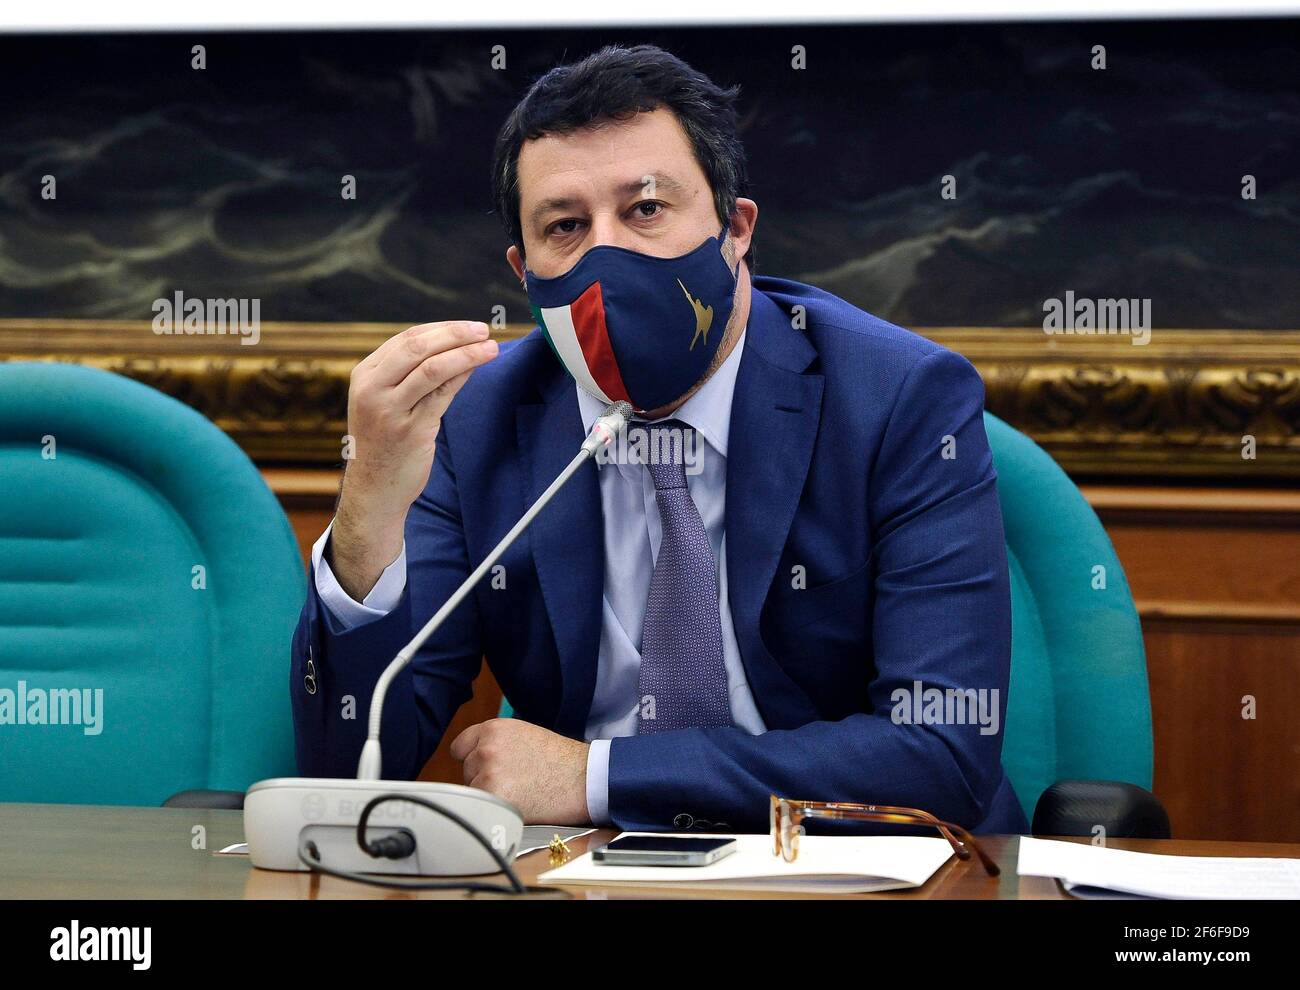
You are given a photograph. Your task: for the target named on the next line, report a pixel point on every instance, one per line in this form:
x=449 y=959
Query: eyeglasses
x=787 y=817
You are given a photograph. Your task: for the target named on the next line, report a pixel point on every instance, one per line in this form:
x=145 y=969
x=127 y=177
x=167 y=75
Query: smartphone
x=663 y=850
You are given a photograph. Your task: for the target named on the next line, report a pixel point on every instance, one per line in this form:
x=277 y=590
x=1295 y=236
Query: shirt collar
x=708 y=410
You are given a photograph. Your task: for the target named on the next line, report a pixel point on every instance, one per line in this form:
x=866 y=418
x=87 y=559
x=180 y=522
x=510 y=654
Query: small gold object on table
x=559 y=850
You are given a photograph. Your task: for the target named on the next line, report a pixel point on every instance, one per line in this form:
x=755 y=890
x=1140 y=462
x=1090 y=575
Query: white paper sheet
x=826 y=863
x=1159 y=875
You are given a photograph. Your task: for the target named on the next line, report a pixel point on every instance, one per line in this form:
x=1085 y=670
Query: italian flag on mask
x=580 y=339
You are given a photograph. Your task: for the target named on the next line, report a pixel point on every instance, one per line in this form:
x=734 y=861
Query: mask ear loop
x=724 y=234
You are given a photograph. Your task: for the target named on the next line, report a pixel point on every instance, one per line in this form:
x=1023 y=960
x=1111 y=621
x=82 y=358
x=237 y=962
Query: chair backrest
x=149 y=585
x=1078 y=704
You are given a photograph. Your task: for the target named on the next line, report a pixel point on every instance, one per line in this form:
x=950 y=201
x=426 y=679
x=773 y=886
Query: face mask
x=631 y=326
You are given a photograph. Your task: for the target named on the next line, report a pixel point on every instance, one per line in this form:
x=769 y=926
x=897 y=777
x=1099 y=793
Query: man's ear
x=743 y=221
x=516 y=262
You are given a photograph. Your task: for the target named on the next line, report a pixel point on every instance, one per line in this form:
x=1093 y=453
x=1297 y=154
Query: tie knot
x=667 y=446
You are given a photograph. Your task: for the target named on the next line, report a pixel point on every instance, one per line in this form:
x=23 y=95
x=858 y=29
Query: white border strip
x=135 y=15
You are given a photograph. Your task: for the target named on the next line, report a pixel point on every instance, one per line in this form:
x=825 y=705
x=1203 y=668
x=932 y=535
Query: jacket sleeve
x=330 y=724
x=942 y=617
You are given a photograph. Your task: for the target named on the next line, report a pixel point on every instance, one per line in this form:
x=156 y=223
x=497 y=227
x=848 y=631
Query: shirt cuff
x=383 y=597
x=598 y=781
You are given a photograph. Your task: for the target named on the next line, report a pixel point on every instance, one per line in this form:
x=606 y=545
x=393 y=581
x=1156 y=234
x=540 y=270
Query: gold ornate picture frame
x=1190 y=403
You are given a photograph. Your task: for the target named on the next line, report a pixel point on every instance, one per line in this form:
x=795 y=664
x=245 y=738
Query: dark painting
x=225 y=181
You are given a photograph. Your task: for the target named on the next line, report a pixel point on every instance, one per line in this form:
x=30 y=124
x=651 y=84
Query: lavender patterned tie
x=683 y=681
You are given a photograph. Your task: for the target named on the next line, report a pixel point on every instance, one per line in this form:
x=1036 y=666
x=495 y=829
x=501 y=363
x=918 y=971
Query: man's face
x=632 y=183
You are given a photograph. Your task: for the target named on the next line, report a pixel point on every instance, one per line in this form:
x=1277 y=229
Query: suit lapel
x=567 y=545
x=775 y=414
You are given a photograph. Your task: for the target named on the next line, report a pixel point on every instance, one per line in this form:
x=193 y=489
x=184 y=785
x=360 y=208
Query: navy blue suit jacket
x=836 y=466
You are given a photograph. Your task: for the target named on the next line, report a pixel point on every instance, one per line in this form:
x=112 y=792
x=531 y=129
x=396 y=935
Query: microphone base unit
x=284 y=815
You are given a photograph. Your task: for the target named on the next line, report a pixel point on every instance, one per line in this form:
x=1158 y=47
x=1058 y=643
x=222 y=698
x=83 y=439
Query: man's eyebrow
x=547 y=205
x=660 y=180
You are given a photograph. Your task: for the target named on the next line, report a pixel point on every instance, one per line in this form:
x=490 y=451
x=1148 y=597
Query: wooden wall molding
x=1208 y=559
x=1178 y=406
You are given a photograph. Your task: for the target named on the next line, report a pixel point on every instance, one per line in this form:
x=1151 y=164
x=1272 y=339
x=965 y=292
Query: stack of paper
x=826 y=864
x=1085 y=869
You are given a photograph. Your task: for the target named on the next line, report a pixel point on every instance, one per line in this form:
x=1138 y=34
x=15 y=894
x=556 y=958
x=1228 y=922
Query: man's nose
x=608 y=229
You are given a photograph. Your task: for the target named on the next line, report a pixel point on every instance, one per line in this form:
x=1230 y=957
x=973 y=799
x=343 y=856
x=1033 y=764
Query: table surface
x=94 y=852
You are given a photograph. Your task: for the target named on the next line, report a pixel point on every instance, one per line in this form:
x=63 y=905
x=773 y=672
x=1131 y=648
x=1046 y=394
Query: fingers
x=398 y=356
x=426 y=413
x=471 y=770
x=441 y=375
x=464 y=743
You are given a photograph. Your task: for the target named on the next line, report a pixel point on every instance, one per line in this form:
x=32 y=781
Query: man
x=676 y=644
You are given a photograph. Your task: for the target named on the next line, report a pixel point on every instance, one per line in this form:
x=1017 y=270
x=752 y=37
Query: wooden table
x=86 y=852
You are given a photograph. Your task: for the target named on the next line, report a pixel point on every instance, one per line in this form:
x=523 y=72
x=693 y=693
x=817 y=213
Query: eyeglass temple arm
x=904 y=816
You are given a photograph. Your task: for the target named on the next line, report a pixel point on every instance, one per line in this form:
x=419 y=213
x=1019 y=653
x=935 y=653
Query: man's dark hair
x=616 y=83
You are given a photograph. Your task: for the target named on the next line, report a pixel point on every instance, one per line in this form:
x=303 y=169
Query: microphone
x=603 y=432
x=610 y=424
x=296 y=823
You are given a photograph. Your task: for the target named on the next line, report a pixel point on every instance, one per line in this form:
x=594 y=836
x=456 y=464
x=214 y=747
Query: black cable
x=399 y=845
x=374 y=802
x=517 y=886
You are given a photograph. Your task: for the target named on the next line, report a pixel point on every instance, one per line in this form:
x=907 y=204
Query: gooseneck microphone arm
x=603 y=431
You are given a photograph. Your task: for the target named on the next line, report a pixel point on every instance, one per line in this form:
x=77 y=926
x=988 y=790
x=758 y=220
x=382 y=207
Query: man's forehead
x=620 y=179
x=619 y=156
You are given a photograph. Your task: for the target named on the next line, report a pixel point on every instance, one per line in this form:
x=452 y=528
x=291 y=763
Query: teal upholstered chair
x=1078 y=707
x=145 y=559
x=1078 y=724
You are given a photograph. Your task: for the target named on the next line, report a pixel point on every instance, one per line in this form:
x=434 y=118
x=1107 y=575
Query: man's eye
x=563 y=226
x=641 y=208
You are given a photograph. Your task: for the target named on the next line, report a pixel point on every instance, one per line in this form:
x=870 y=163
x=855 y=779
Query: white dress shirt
x=627 y=495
